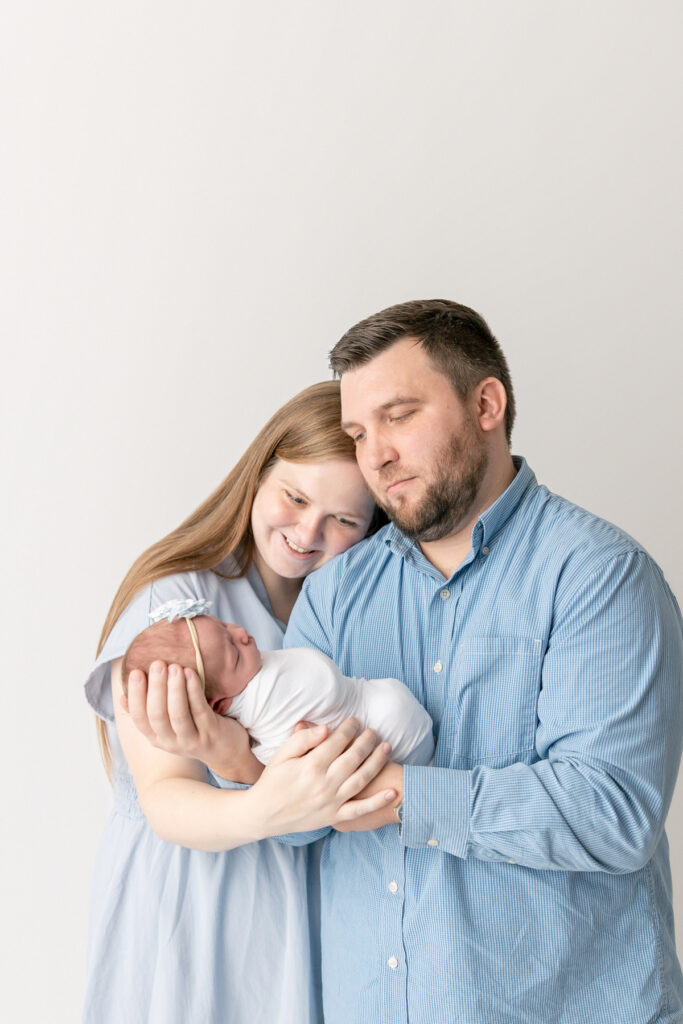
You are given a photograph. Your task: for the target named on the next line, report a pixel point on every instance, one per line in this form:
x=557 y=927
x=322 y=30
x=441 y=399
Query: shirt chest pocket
x=490 y=713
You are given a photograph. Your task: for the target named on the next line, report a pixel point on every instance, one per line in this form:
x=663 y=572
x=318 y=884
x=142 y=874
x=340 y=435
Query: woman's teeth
x=295 y=547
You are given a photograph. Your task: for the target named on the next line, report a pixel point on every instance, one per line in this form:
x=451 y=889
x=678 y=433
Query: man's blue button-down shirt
x=530 y=881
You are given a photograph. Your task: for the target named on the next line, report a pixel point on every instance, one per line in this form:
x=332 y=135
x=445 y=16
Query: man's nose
x=377 y=452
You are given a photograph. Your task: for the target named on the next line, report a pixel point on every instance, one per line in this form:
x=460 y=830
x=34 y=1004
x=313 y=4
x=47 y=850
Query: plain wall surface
x=196 y=201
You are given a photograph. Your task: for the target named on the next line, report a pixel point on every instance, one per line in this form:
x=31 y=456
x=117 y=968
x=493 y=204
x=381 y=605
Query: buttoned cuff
x=436 y=809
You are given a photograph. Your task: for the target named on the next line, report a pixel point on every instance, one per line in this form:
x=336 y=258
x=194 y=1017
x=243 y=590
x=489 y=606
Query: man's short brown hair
x=457 y=339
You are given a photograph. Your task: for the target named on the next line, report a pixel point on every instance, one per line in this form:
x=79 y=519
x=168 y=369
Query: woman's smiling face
x=306 y=513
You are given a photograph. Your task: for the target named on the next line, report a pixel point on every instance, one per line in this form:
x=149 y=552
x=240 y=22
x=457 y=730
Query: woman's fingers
x=203 y=715
x=341 y=739
x=137 y=703
x=180 y=716
x=344 y=750
x=367 y=769
x=300 y=743
x=157 y=701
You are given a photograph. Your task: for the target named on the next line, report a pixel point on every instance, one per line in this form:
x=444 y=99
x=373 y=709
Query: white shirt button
x=393 y=886
x=485 y=550
x=432 y=842
x=445 y=594
x=393 y=962
x=438 y=667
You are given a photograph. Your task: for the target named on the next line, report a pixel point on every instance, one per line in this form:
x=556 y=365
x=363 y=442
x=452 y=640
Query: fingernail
x=154 y=669
x=390 y=794
x=386 y=748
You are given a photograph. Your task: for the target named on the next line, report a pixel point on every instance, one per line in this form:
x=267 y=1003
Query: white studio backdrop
x=196 y=201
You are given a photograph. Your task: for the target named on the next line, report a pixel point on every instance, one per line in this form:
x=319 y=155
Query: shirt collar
x=489 y=523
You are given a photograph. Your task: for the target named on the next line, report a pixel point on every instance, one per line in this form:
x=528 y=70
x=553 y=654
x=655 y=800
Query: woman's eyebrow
x=291 y=487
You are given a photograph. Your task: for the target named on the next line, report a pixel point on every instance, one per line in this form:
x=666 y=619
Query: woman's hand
x=171 y=711
x=314 y=778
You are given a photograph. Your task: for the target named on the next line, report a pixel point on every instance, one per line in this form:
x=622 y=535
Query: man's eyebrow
x=347 y=424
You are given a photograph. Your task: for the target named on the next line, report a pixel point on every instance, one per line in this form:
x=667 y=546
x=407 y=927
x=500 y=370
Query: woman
x=180 y=934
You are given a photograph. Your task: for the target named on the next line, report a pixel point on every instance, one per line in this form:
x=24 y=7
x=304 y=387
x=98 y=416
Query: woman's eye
x=345 y=522
x=295 y=499
x=357 y=437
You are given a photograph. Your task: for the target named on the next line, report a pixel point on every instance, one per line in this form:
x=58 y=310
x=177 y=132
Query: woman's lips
x=303 y=555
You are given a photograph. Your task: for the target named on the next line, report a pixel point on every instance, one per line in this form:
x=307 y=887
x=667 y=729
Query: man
x=523 y=877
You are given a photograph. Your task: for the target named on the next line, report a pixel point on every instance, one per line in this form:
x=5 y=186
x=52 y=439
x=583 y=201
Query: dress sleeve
x=131 y=622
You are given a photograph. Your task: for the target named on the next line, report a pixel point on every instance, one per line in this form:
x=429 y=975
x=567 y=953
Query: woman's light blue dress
x=180 y=936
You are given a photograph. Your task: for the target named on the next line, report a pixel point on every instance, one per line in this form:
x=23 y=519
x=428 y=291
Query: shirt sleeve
x=608 y=739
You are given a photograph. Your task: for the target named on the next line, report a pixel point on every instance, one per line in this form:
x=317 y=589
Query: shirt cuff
x=436 y=809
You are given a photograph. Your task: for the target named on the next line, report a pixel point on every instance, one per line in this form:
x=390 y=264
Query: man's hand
x=171 y=711
x=391 y=777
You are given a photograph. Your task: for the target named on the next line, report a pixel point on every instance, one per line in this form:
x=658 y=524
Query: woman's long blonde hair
x=306 y=429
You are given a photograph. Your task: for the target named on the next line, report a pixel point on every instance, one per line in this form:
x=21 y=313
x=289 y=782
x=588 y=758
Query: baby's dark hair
x=167 y=641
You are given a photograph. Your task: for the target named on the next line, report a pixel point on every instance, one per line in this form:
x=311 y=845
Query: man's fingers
x=300 y=743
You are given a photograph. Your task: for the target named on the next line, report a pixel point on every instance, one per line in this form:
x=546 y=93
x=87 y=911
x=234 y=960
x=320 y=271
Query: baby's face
x=231 y=658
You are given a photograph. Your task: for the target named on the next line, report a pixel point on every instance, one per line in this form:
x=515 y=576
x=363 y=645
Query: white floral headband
x=186 y=609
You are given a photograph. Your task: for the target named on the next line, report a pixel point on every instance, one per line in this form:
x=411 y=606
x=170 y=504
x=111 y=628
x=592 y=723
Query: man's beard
x=459 y=468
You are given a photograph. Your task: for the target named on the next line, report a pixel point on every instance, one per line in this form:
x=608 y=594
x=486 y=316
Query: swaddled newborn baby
x=268 y=692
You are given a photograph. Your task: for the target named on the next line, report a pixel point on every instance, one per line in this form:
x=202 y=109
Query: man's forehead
x=402 y=373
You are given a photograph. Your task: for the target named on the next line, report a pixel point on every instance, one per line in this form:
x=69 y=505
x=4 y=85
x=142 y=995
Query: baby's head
x=230 y=656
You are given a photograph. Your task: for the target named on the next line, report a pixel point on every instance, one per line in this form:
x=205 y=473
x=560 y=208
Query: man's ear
x=490 y=403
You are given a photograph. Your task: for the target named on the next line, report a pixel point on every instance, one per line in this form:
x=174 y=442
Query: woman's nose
x=308 y=528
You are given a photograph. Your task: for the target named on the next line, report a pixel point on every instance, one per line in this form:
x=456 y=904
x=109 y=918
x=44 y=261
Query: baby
x=268 y=692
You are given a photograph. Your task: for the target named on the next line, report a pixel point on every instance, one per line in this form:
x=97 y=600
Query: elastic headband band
x=200 y=662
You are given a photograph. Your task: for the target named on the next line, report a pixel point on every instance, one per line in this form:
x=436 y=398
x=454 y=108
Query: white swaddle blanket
x=302 y=684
